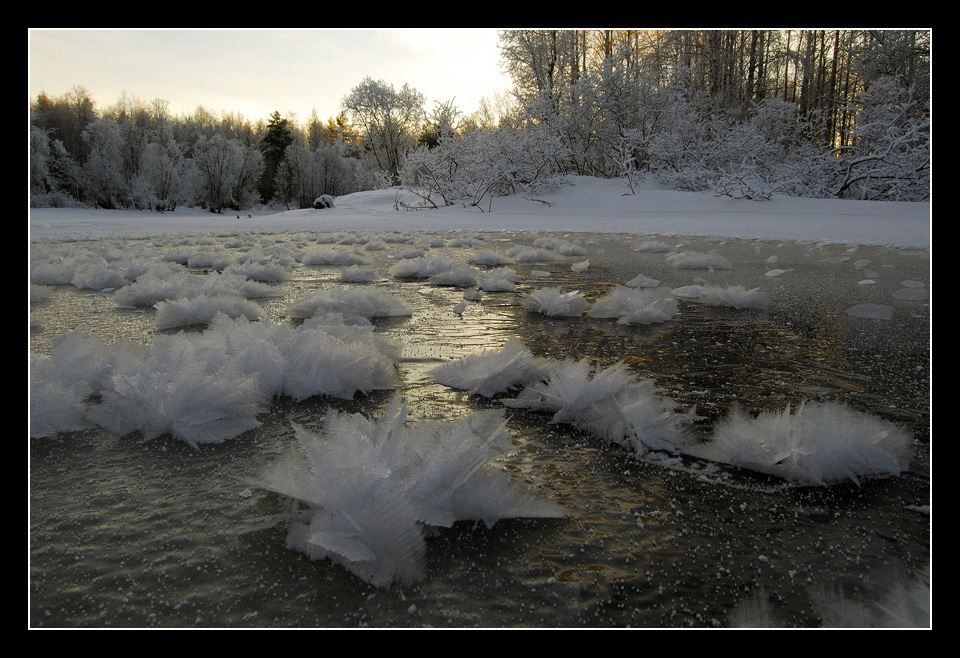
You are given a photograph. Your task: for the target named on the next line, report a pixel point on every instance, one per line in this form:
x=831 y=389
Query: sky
x=256 y=72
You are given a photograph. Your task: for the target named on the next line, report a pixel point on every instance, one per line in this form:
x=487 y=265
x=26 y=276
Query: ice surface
x=695 y=260
x=871 y=311
x=734 y=297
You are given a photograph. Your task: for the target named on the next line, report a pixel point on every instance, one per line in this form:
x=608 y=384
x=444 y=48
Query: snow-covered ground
x=584 y=204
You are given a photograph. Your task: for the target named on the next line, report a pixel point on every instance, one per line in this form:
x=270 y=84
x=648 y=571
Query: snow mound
x=554 y=302
x=367 y=487
x=633 y=306
x=492 y=371
x=817 y=443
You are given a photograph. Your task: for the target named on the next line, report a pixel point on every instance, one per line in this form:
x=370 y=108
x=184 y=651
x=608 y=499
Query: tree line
x=749 y=113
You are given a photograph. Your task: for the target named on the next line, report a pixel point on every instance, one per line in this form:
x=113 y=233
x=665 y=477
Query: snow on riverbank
x=583 y=204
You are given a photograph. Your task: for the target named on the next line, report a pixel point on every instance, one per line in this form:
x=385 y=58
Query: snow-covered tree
x=889 y=157
x=103 y=169
x=390 y=119
x=217 y=161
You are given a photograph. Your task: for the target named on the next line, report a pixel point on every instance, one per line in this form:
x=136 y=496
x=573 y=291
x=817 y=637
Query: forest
x=740 y=113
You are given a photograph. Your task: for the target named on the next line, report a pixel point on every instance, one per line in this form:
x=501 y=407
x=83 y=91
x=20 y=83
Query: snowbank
x=583 y=204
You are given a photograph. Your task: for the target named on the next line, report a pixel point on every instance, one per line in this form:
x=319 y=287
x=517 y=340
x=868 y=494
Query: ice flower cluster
x=367 y=487
x=204 y=387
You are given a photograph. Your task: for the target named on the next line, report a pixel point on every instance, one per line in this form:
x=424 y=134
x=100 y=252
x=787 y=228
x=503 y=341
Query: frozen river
x=125 y=533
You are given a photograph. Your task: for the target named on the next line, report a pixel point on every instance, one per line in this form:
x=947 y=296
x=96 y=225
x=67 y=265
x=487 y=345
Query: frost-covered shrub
x=323 y=201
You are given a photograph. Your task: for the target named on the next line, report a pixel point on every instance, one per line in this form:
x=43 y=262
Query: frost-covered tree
x=305 y=174
x=103 y=170
x=218 y=161
x=167 y=172
x=390 y=120
x=889 y=157
x=276 y=139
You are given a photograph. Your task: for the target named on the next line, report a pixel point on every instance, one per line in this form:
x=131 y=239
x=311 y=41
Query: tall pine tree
x=275 y=142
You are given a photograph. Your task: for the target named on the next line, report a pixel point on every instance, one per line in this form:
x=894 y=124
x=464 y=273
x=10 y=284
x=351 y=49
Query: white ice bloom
x=161 y=285
x=329 y=257
x=501 y=279
x=348 y=300
x=358 y=274
x=484 y=257
x=688 y=292
x=569 y=391
x=634 y=306
x=367 y=487
x=183 y=398
x=202 y=309
x=642 y=281
x=61 y=384
x=492 y=371
x=205 y=387
x=457 y=275
x=817 y=443
x=421 y=267
x=530 y=255
x=554 y=302
x=734 y=297
x=613 y=405
x=582 y=266
x=652 y=246
x=321 y=364
x=695 y=260
x=259 y=271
